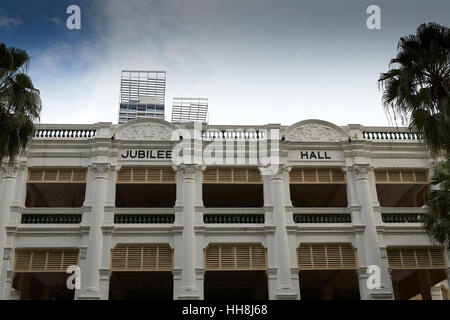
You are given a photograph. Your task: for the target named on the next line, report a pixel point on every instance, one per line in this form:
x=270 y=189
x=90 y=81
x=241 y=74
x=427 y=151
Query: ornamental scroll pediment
x=146 y=131
x=315 y=132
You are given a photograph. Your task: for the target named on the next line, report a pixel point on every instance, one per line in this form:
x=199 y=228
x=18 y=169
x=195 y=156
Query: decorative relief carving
x=83 y=253
x=146 y=131
x=362 y=273
x=9 y=170
x=7 y=253
x=189 y=170
x=314 y=132
x=9 y=276
x=362 y=172
x=277 y=171
x=100 y=171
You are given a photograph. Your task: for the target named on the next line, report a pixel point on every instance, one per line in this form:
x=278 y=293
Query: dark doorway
x=43 y=286
x=410 y=283
x=141 y=286
x=329 y=285
x=233 y=195
x=236 y=285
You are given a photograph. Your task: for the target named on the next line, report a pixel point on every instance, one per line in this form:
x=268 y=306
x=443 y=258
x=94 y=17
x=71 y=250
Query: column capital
x=189 y=171
x=9 y=170
x=100 y=170
x=361 y=171
x=7 y=253
x=83 y=252
x=275 y=171
x=362 y=273
x=104 y=273
x=9 y=276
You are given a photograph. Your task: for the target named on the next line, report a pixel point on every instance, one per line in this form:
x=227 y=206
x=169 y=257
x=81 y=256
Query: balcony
x=133 y=216
x=233 y=216
x=322 y=215
x=401 y=215
x=56 y=216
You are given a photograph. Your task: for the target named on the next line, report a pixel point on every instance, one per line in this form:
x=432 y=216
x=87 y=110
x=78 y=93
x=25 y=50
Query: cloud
x=7 y=22
x=263 y=60
x=55 y=20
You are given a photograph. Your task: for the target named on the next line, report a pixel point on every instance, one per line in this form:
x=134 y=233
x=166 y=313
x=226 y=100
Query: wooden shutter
x=155 y=175
x=57 y=175
x=317 y=176
x=401 y=177
x=417 y=258
x=232 y=176
x=142 y=257
x=327 y=257
x=235 y=257
x=44 y=260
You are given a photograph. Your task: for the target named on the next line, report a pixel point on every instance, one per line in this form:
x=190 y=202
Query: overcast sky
x=258 y=61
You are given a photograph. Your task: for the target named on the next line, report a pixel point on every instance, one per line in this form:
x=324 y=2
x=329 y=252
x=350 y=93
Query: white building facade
x=336 y=218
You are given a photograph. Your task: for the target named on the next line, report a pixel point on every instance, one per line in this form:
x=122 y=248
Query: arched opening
x=146 y=187
x=141 y=272
x=40 y=274
x=322 y=187
x=328 y=272
x=232 y=187
x=235 y=271
x=416 y=270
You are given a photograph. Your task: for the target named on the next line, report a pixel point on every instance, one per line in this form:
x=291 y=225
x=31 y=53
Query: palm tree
x=437 y=222
x=20 y=103
x=417 y=92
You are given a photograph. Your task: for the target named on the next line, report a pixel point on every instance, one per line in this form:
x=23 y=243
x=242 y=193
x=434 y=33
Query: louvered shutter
x=149 y=175
x=326 y=257
x=57 y=175
x=44 y=260
x=316 y=176
x=417 y=258
x=232 y=176
x=235 y=257
x=401 y=176
x=145 y=257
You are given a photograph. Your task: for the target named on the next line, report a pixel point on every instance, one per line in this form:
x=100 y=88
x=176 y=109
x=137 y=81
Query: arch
x=315 y=131
x=145 y=129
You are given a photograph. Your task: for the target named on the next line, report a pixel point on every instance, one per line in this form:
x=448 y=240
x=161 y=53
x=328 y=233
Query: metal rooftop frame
x=137 y=84
x=190 y=109
x=142 y=95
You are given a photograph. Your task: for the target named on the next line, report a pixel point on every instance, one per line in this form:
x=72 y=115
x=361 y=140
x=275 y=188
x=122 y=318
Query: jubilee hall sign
x=155 y=154
x=316 y=155
x=146 y=154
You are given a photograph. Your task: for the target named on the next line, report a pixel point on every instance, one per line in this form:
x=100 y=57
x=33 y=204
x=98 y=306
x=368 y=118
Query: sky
x=257 y=61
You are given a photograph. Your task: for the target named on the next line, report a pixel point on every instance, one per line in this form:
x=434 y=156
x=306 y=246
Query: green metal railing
x=144 y=218
x=400 y=217
x=51 y=218
x=233 y=218
x=322 y=218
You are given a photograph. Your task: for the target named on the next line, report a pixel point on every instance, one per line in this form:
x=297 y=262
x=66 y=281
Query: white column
x=188 y=284
x=90 y=271
x=447 y=272
x=285 y=288
x=105 y=271
x=7 y=189
x=368 y=243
